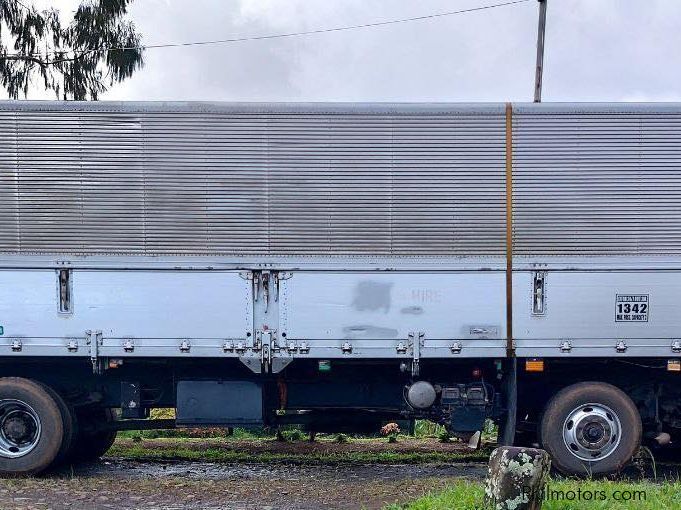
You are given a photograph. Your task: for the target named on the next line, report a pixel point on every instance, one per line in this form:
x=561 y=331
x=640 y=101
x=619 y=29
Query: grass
x=218 y=446
x=208 y=433
x=587 y=495
x=425 y=428
x=422 y=429
x=190 y=450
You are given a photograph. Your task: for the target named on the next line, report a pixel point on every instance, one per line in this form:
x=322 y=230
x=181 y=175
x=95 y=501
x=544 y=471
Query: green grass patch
x=561 y=495
x=177 y=451
x=425 y=428
x=208 y=433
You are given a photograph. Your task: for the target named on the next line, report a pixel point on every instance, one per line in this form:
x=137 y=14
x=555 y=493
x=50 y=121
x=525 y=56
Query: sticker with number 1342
x=632 y=308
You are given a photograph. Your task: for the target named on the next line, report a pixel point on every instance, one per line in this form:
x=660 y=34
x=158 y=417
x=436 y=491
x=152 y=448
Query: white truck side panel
x=127 y=304
x=362 y=305
x=581 y=308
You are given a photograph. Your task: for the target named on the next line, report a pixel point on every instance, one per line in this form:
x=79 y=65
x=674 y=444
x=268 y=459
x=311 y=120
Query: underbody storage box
x=223 y=403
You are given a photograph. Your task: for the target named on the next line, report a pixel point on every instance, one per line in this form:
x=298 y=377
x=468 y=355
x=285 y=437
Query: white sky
x=596 y=50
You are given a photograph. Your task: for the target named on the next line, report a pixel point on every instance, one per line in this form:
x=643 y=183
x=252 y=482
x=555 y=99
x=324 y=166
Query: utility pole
x=540 y=51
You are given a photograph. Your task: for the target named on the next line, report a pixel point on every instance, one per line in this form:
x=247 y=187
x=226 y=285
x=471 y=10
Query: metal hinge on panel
x=16 y=345
x=565 y=346
x=274 y=344
x=65 y=291
x=266 y=343
x=257 y=342
x=346 y=348
x=278 y=277
x=275 y=277
x=401 y=348
x=128 y=345
x=676 y=346
x=303 y=348
x=266 y=358
x=291 y=347
x=256 y=286
x=269 y=346
x=456 y=348
x=539 y=293
x=416 y=341
x=94 y=340
x=265 y=279
x=265 y=276
x=621 y=346
x=185 y=346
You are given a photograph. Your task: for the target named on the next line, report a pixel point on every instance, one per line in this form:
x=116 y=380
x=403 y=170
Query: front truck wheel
x=31 y=427
x=590 y=428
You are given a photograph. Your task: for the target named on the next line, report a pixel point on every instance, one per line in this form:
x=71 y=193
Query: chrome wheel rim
x=19 y=428
x=592 y=432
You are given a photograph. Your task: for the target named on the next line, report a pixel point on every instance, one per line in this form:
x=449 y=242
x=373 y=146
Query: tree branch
x=36 y=60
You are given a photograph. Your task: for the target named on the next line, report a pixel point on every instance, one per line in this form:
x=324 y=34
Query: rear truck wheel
x=91 y=443
x=70 y=427
x=31 y=427
x=590 y=428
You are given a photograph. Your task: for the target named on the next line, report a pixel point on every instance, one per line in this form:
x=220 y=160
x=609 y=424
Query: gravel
x=176 y=485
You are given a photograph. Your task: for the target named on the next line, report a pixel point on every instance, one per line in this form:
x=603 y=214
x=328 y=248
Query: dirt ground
x=128 y=480
x=117 y=483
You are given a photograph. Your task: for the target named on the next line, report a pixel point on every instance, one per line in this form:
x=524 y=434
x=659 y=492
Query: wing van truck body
x=339 y=266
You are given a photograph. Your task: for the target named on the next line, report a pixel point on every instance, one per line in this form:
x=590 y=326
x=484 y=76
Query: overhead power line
x=335 y=29
x=277 y=36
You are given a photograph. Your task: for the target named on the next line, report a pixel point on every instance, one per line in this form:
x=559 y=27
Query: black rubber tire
x=52 y=427
x=90 y=445
x=70 y=422
x=562 y=404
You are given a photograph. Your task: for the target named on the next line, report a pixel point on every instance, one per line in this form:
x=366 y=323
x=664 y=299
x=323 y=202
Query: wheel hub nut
x=15 y=429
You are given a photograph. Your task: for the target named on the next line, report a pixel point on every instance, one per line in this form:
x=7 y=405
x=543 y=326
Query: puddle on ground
x=111 y=467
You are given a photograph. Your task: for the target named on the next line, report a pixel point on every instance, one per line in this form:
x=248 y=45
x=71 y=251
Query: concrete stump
x=516 y=477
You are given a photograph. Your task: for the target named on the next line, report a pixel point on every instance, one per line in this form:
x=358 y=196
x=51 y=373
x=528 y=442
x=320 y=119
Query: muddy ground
x=125 y=483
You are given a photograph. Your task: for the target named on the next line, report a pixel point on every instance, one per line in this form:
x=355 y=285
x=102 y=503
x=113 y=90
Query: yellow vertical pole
x=510 y=351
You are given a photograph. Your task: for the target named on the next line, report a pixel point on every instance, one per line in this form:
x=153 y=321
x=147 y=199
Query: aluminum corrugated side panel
x=253 y=181
x=79 y=185
x=9 y=205
x=597 y=180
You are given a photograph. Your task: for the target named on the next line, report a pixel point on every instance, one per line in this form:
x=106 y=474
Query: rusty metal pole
x=540 y=51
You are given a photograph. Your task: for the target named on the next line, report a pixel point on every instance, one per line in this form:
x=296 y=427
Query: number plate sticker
x=631 y=307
